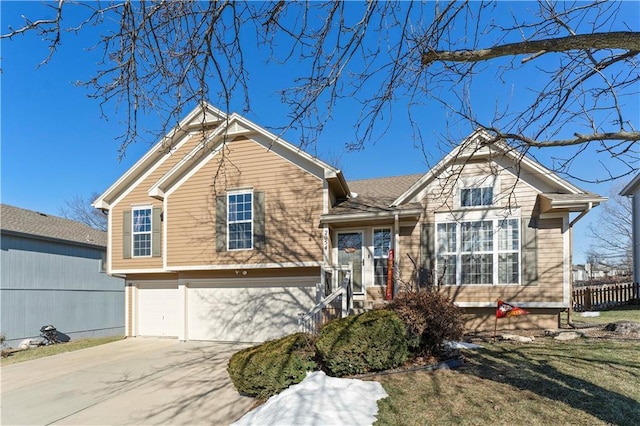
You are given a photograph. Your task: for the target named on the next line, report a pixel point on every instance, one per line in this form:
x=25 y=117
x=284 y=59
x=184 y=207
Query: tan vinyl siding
x=293 y=205
x=137 y=197
x=514 y=193
x=251 y=273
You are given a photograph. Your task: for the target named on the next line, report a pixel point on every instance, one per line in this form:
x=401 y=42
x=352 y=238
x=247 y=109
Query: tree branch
x=625 y=40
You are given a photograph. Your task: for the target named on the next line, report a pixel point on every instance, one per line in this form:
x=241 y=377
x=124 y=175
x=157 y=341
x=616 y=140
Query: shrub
x=267 y=369
x=430 y=319
x=372 y=341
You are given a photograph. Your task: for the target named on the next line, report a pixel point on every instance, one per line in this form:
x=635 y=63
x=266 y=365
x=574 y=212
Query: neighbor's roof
x=631 y=186
x=15 y=220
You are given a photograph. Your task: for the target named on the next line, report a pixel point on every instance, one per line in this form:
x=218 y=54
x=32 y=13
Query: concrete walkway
x=133 y=381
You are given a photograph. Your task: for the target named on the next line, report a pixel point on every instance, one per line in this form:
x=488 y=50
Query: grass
x=583 y=381
x=44 y=351
x=549 y=382
x=622 y=313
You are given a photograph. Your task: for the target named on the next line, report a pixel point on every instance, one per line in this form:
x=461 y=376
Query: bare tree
x=612 y=233
x=79 y=208
x=565 y=74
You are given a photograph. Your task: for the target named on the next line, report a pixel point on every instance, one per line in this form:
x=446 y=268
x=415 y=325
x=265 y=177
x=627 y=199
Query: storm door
x=350 y=253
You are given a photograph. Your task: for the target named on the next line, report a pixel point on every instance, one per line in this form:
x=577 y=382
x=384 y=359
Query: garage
x=248 y=311
x=157 y=309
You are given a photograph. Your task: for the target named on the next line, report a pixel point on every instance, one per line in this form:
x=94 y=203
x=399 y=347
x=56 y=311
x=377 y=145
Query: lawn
x=43 y=351
x=584 y=381
x=622 y=313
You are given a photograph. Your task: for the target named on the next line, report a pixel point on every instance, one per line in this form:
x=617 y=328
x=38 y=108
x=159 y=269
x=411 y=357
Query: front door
x=350 y=253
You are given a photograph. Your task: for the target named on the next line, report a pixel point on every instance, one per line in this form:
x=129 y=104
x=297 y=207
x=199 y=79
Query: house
x=632 y=189
x=53 y=272
x=226 y=232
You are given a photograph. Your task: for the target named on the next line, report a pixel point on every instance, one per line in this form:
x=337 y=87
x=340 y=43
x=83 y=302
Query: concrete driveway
x=133 y=381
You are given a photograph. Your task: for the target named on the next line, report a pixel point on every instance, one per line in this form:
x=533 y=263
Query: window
x=141 y=218
x=472 y=197
x=240 y=221
x=478 y=252
x=381 y=246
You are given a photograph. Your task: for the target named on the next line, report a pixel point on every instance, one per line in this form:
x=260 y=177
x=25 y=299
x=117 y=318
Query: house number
x=325 y=239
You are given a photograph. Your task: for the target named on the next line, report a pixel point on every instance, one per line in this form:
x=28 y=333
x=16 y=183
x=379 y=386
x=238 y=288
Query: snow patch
x=320 y=400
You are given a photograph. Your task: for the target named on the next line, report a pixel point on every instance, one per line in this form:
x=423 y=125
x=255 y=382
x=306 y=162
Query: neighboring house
x=633 y=190
x=580 y=273
x=53 y=272
x=232 y=233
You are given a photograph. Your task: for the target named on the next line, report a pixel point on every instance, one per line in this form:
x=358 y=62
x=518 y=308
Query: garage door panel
x=157 y=309
x=251 y=313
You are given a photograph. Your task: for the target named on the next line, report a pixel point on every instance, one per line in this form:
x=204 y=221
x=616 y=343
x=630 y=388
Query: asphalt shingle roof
x=375 y=195
x=22 y=221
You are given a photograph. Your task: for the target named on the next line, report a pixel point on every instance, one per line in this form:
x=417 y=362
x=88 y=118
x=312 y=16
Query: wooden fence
x=605 y=296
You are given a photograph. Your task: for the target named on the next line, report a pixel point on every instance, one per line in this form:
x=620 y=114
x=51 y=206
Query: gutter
x=582 y=214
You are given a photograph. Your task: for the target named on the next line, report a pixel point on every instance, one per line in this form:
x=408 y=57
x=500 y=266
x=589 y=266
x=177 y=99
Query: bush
x=372 y=341
x=430 y=319
x=267 y=369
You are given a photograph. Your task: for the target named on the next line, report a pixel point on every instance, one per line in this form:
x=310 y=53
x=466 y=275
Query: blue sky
x=56 y=143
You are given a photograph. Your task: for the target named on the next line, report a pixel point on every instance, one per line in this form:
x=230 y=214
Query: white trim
x=477 y=214
x=157 y=151
x=150 y=232
x=468 y=149
x=492 y=304
x=152 y=168
x=495 y=252
x=245 y=266
x=347 y=217
x=242 y=192
x=128 y=304
x=257 y=134
x=165 y=222
x=183 y=311
x=629 y=189
x=363 y=246
x=158 y=190
x=393 y=244
x=253 y=280
x=140 y=271
x=110 y=243
x=566 y=260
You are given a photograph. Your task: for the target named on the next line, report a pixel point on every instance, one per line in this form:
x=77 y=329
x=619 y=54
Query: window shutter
x=156 y=226
x=126 y=234
x=529 y=251
x=258 y=221
x=221 y=223
x=427 y=254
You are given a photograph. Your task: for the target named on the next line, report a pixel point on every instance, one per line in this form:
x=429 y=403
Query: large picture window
x=478 y=252
x=240 y=221
x=141 y=231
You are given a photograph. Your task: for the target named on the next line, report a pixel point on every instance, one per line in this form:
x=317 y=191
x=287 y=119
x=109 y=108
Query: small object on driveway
x=49 y=334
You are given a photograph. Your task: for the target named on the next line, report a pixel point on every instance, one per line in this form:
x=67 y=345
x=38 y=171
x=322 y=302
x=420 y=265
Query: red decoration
x=507 y=310
x=389 y=292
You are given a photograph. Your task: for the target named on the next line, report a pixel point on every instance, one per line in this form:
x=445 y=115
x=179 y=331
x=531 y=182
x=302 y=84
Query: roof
x=372 y=198
x=222 y=126
x=480 y=144
x=15 y=220
x=631 y=186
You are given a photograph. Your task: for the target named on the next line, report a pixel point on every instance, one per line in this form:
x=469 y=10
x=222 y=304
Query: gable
x=202 y=118
x=478 y=156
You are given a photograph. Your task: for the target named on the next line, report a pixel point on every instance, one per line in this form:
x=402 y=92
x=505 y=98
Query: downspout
x=573 y=222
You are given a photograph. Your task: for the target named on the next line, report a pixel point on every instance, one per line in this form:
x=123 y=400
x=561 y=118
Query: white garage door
x=157 y=309
x=253 y=311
